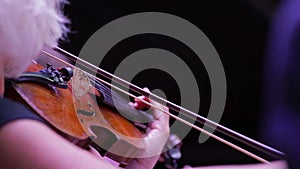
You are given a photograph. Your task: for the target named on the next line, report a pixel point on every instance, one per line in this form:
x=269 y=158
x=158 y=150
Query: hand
x=157 y=134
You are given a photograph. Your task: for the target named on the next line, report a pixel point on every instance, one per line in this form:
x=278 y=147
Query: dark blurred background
x=238 y=30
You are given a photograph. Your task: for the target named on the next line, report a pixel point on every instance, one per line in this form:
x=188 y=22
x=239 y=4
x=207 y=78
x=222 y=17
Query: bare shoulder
x=31 y=144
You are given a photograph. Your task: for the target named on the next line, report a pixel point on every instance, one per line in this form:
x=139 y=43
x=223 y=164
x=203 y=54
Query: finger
x=139 y=104
x=93 y=151
x=158 y=130
x=146 y=89
x=159 y=110
x=132 y=104
x=161 y=119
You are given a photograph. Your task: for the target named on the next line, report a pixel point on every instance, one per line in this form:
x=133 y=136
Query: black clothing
x=11 y=111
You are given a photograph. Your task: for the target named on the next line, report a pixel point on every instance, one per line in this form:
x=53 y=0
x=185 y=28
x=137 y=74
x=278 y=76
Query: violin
x=48 y=92
x=82 y=108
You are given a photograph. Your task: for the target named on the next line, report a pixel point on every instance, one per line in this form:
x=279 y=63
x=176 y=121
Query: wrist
x=143 y=163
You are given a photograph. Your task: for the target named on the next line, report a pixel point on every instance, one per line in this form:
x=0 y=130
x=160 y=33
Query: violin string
x=175 y=117
x=208 y=123
x=106 y=91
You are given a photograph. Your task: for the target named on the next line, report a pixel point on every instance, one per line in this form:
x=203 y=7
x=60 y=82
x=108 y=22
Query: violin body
x=79 y=119
x=72 y=108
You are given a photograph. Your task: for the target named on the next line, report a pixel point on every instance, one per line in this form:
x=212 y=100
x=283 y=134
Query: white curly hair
x=25 y=27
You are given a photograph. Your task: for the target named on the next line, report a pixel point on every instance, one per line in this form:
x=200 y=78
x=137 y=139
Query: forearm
x=43 y=149
x=272 y=165
x=143 y=163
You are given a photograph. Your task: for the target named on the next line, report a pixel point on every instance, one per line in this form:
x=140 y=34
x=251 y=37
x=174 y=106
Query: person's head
x=25 y=27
